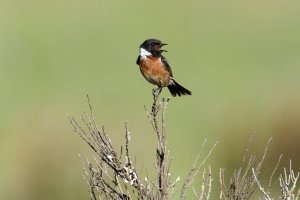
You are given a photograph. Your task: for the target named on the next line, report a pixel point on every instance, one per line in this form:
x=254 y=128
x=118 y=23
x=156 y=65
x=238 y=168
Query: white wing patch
x=171 y=81
x=143 y=52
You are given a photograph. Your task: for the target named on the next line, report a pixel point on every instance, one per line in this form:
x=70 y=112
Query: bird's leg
x=156 y=91
x=159 y=91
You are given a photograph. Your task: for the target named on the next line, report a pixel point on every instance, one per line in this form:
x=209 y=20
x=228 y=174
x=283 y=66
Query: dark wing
x=138 y=60
x=166 y=65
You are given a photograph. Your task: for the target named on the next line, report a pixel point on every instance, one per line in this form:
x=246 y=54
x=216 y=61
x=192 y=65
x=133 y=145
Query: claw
x=156 y=91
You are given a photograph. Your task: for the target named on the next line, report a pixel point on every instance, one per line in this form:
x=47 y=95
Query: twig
x=267 y=197
x=195 y=169
x=242 y=184
x=99 y=141
x=273 y=172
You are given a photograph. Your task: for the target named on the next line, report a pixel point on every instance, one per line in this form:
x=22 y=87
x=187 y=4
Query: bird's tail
x=176 y=89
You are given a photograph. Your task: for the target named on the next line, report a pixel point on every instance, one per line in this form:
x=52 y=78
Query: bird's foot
x=156 y=91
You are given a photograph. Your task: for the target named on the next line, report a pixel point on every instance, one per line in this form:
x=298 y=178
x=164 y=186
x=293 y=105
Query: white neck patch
x=143 y=52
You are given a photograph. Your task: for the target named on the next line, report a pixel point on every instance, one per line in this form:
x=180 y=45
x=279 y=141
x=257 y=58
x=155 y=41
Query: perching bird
x=156 y=69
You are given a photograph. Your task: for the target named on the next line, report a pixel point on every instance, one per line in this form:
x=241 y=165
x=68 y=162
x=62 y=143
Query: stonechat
x=156 y=69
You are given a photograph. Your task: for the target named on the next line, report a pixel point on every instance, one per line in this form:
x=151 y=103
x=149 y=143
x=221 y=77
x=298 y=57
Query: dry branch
x=113 y=175
x=104 y=178
x=287 y=182
x=243 y=182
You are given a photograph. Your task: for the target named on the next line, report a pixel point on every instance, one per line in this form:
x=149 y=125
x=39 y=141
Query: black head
x=153 y=46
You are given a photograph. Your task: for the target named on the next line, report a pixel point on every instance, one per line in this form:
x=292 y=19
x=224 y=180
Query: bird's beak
x=163 y=44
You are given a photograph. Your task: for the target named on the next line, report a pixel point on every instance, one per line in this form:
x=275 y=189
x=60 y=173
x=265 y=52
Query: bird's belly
x=154 y=71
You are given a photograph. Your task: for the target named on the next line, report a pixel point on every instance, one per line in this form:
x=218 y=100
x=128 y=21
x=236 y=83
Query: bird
x=156 y=69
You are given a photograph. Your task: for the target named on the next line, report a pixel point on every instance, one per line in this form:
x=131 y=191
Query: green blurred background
x=239 y=58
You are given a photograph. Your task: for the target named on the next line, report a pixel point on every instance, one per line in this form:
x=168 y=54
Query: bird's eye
x=152 y=44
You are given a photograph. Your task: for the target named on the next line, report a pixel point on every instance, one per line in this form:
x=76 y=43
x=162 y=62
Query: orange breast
x=153 y=70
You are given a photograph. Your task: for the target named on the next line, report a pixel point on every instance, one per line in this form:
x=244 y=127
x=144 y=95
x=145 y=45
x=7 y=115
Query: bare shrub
x=113 y=175
x=242 y=184
x=287 y=183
